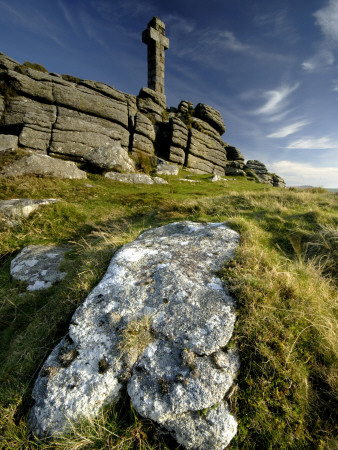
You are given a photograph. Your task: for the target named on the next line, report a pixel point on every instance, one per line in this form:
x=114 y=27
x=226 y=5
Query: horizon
x=270 y=69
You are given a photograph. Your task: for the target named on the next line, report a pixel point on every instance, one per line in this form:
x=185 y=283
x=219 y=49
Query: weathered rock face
x=43 y=166
x=233 y=154
x=206 y=154
x=277 y=181
x=260 y=170
x=13 y=211
x=38 y=265
x=211 y=116
x=167 y=276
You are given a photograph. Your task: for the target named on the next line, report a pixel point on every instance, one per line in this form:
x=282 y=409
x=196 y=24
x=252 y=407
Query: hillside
x=284 y=277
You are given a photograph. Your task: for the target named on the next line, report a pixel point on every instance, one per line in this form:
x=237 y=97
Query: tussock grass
x=284 y=276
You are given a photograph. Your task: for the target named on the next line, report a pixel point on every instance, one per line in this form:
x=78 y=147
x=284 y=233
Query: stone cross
x=157 y=42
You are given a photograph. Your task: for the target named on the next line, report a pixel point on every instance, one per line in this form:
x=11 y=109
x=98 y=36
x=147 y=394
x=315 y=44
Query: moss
x=21 y=68
x=71 y=78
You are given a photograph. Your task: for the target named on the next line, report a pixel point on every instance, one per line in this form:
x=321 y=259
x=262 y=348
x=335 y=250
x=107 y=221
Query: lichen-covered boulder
x=38 y=265
x=211 y=116
x=167 y=279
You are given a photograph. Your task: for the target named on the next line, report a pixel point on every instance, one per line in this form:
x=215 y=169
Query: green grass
x=284 y=276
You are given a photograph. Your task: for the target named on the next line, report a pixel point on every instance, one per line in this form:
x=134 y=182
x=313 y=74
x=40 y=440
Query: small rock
x=215 y=178
x=165 y=168
x=12 y=211
x=38 y=265
x=159 y=180
x=131 y=178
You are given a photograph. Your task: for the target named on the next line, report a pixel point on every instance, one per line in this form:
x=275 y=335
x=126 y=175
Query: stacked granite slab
x=259 y=170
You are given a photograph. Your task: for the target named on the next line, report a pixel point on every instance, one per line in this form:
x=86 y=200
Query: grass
x=284 y=276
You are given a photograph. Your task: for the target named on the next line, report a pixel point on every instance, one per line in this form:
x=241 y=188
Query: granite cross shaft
x=157 y=42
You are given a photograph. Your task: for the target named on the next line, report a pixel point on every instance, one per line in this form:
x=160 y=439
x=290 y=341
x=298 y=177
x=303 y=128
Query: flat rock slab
x=130 y=178
x=38 y=265
x=43 y=166
x=167 y=276
x=13 y=211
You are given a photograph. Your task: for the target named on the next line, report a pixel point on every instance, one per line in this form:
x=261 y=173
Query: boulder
x=162 y=291
x=8 y=143
x=38 y=266
x=260 y=170
x=165 y=168
x=110 y=157
x=159 y=180
x=211 y=116
x=13 y=211
x=131 y=178
x=215 y=178
x=43 y=166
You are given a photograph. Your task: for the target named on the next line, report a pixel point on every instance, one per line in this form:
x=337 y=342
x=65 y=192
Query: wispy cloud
x=322 y=143
x=178 y=25
x=277 y=25
x=67 y=16
x=297 y=174
x=289 y=129
x=276 y=100
x=320 y=60
x=327 y=19
x=92 y=29
x=35 y=22
x=335 y=85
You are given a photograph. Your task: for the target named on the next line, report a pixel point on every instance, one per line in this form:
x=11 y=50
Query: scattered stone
x=165 y=168
x=159 y=180
x=167 y=275
x=111 y=157
x=43 y=166
x=190 y=181
x=38 y=265
x=13 y=211
x=215 y=178
x=8 y=143
x=132 y=178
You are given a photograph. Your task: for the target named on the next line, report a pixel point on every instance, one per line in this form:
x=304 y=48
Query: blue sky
x=269 y=66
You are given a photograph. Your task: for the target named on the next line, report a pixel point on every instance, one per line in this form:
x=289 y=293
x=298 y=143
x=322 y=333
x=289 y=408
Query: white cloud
x=335 y=85
x=298 y=174
x=289 y=129
x=178 y=25
x=276 y=99
x=314 y=143
x=322 y=58
x=327 y=19
x=67 y=15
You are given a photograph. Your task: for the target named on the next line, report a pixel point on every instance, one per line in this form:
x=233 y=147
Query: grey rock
x=211 y=116
x=2 y=106
x=215 y=178
x=233 y=154
x=142 y=145
x=8 y=143
x=173 y=140
x=165 y=168
x=260 y=170
x=44 y=166
x=159 y=180
x=168 y=275
x=151 y=103
x=236 y=164
x=76 y=133
x=234 y=171
x=185 y=107
x=278 y=181
x=111 y=157
x=156 y=97
x=131 y=178
x=6 y=62
x=24 y=85
x=13 y=211
x=38 y=265
x=206 y=154
x=144 y=126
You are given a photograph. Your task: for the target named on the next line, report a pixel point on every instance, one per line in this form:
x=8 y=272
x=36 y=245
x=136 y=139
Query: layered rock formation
x=91 y=122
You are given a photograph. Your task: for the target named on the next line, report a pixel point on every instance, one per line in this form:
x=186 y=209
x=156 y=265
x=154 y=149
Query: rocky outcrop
x=43 y=166
x=38 y=266
x=162 y=286
x=277 y=181
x=260 y=170
x=68 y=117
x=12 y=212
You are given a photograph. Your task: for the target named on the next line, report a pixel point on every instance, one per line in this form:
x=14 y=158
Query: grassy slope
x=284 y=277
